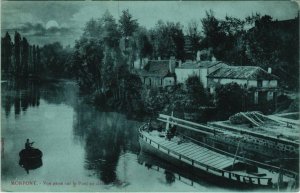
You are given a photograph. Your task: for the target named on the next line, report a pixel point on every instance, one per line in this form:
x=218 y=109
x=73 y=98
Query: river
x=83 y=148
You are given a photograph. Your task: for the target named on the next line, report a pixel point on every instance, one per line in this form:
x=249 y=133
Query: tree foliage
x=196 y=92
x=230 y=98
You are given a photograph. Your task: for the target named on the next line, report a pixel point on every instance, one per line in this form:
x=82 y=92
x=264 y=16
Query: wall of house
x=153 y=81
x=183 y=74
x=252 y=83
x=203 y=78
x=273 y=83
x=269 y=83
x=238 y=81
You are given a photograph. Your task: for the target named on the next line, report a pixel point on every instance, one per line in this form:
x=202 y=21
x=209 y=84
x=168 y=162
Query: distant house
x=263 y=84
x=158 y=73
x=199 y=68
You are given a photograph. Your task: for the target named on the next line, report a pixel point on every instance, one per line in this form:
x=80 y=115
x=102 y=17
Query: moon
x=51 y=23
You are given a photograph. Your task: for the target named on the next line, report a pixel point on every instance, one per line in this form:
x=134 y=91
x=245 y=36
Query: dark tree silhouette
x=6 y=53
x=25 y=56
x=17 y=53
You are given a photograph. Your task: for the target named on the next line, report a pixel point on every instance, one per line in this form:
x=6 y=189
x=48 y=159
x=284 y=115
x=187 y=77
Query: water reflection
x=173 y=173
x=30 y=164
x=21 y=95
x=107 y=135
x=101 y=147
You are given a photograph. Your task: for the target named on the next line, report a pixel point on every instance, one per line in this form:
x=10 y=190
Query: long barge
x=214 y=163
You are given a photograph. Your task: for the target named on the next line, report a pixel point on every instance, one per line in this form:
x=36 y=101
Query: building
x=199 y=68
x=158 y=73
x=263 y=84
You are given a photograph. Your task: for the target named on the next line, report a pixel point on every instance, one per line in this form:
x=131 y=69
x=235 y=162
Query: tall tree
x=194 y=36
x=144 y=45
x=128 y=25
x=213 y=35
x=34 y=59
x=38 y=60
x=111 y=34
x=17 y=54
x=196 y=92
x=6 y=53
x=25 y=56
x=168 y=40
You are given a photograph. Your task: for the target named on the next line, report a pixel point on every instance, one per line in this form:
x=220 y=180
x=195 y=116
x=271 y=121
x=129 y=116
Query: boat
x=30 y=154
x=210 y=162
x=30 y=159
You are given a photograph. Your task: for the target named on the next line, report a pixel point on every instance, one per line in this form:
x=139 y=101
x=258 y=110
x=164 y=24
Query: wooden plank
x=204 y=153
x=217 y=161
x=210 y=159
x=204 y=156
x=191 y=149
x=193 y=152
x=183 y=148
x=224 y=164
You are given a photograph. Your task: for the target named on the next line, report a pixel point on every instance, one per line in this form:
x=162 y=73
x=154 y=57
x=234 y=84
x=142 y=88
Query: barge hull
x=206 y=176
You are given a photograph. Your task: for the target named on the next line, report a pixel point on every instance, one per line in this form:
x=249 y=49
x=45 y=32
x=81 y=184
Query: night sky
x=45 y=22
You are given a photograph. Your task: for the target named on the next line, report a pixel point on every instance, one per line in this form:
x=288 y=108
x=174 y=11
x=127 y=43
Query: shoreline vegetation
x=102 y=63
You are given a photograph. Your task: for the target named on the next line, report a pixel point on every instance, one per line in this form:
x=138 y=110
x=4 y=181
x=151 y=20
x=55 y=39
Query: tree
x=92 y=29
x=196 y=94
x=212 y=30
x=168 y=40
x=38 y=60
x=127 y=25
x=230 y=98
x=17 y=54
x=194 y=36
x=111 y=34
x=25 y=56
x=144 y=45
x=34 y=59
x=6 y=53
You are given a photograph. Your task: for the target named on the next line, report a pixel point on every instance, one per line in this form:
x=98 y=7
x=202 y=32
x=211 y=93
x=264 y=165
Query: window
x=270 y=96
x=259 y=83
x=256 y=97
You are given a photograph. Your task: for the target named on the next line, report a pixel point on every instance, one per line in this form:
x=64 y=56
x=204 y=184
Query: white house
x=251 y=77
x=199 y=68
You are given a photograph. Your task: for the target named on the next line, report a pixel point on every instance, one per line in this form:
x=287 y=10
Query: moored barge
x=216 y=164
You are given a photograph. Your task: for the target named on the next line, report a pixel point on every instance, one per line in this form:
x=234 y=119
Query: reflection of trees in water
x=170 y=177
x=25 y=94
x=21 y=95
x=106 y=136
x=58 y=92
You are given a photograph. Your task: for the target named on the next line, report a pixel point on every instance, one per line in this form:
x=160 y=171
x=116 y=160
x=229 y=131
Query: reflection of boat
x=170 y=171
x=213 y=163
x=30 y=159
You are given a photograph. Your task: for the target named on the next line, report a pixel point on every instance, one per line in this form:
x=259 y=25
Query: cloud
x=38 y=29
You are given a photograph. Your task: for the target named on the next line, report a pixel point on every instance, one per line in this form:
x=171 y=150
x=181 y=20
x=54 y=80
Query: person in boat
x=171 y=132
x=28 y=145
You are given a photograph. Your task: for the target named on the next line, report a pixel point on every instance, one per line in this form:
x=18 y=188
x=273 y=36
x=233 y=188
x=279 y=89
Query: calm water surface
x=83 y=148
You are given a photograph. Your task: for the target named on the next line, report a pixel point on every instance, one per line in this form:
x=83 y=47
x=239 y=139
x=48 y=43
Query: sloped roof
x=158 y=68
x=242 y=72
x=199 y=64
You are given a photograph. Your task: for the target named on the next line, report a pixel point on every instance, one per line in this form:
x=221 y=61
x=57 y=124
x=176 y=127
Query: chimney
x=159 y=58
x=179 y=63
x=269 y=70
x=213 y=58
x=172 y=62
x=198 y=56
